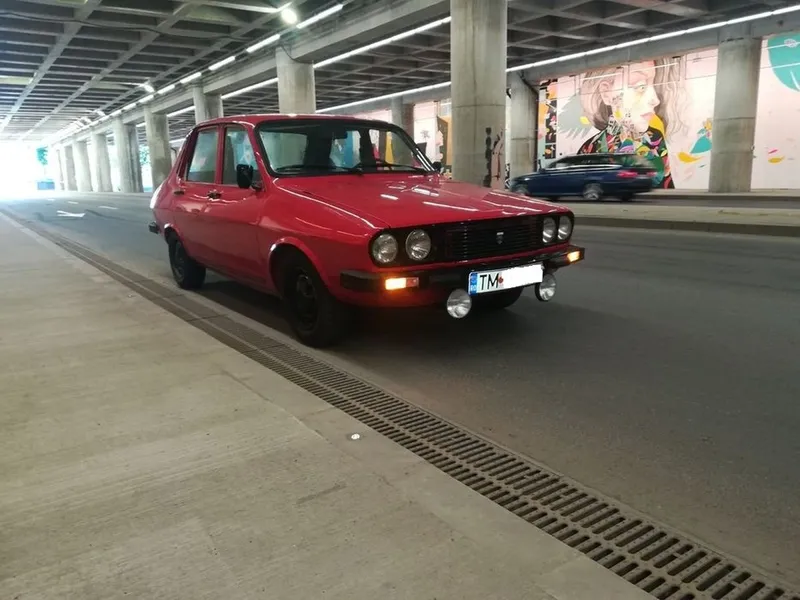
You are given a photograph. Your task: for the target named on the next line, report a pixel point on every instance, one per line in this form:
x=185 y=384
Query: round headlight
x=564 y=227
x=384 y=249
x=548 y=230
x=418 y=245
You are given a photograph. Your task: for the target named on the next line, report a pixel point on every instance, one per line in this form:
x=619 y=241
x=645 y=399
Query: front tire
x=498 y=300
x=187 y=272
x=317 y=318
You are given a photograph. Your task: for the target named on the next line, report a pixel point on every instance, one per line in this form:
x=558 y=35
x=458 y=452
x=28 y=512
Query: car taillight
x=627 y=174
x=651 y=173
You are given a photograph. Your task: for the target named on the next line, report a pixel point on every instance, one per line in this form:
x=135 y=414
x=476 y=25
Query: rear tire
x=498 y=300
x=520 y=189
x=592 y=192
x=188 y=273
x=317 y=318
x=626 y=198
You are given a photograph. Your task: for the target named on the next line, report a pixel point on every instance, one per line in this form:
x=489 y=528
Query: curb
x=706 y=227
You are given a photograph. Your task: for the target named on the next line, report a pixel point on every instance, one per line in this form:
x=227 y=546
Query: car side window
x=564 y=163
x=238 y=150
x=203 y=165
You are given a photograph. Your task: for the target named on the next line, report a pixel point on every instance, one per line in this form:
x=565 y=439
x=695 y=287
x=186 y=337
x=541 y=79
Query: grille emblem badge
x=499 y=237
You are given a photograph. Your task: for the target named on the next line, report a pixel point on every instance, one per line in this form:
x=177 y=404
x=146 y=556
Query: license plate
x=481 y=282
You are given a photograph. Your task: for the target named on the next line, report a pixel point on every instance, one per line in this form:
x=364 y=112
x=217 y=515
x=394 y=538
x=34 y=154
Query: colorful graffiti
x=663 y=109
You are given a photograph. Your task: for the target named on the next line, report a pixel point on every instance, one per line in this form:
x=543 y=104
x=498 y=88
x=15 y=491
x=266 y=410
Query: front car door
x=232 y=216
x=196 y=185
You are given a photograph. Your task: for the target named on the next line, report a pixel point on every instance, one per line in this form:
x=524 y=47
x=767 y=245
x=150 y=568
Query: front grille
x=492 y=238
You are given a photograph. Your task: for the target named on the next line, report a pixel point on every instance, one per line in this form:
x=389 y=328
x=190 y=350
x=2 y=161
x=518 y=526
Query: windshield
x=323 y=146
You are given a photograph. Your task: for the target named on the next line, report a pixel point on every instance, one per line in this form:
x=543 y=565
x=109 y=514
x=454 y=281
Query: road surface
x=665 y=373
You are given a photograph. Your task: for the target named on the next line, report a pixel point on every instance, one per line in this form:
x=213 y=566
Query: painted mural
x=662 y=109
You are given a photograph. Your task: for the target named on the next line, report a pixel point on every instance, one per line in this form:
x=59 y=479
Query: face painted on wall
x=635 y=104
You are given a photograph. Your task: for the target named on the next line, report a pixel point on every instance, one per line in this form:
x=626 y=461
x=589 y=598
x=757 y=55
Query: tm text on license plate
x=481 y=282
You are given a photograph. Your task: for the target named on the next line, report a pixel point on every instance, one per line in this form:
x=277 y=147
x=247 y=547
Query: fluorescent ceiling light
x=182 y=111
x=146 y=99
x=222 y=63
x=129 y=106
x=384 y=42
x=289 y=16
x=265 y=42
x=139 y=125
x=147 y=88
x=655 y=38
x=250 y=88
x=116 y=113
x=319 y=16
x=166 y=90
x=191 y=77
x=419 y=90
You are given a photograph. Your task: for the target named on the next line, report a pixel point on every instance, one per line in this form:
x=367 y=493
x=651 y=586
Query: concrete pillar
x=206 y=106
x=136 y=160
x=59 y=156
x=522 y=129
x=69 y=169
x=125 y=159
x=102 y=164
x=296 y=88
x=83 y=173
x=403 y=115
x=478 y=34
x=734 y=123
x=157 y=131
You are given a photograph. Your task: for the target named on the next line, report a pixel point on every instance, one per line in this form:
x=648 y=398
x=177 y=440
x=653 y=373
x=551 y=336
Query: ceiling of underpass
x=63 y=60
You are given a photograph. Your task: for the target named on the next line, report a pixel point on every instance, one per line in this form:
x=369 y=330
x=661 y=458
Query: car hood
x=415 y=200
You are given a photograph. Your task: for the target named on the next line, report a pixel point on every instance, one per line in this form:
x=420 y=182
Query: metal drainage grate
x=663 y=563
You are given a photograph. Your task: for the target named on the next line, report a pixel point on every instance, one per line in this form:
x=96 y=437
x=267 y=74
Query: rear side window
x=203 y=166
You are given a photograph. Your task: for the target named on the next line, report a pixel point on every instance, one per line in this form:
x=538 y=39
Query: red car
x=331 y=213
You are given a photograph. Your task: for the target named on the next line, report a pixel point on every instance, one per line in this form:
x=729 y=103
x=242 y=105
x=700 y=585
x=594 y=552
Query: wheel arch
x=283 y=249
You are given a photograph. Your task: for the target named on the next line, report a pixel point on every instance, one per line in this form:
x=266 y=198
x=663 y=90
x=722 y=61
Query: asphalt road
x=664 y=374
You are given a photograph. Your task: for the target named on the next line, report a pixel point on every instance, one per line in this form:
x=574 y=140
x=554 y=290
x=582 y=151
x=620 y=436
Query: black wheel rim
x=305 y=302
x=179 y=261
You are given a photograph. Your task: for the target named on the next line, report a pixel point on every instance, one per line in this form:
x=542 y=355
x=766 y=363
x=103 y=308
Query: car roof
x=261 y=118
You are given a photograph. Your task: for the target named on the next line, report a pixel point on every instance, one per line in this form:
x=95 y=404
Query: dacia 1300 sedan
x=333 y=213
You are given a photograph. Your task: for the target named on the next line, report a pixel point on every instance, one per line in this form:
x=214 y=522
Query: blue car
x=590 y=176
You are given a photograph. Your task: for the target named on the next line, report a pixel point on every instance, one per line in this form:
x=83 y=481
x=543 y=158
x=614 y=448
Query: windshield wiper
x=382 y=163
x=302 y=167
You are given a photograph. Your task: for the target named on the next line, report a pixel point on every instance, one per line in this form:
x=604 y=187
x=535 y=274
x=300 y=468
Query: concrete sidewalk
x=140 y=458
x=755 y=221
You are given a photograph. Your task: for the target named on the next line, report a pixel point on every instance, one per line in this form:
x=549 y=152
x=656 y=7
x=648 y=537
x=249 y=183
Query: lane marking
x=71 y=202
x=108 y=207
x=63 y=213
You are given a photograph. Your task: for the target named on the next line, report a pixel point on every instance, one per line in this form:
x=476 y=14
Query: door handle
x=214 y=195
x=178 y=192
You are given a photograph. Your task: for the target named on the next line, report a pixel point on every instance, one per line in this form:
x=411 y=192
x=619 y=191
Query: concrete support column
x=69 y=169
x=296 y=87
x=102 y=164
x=734 y=123
x=522 y=129
x=83 y=173
x=61 y=182
x=206 y=106
x=403 y=115
x=157 y=131
x=478 y=34
x=125 y=159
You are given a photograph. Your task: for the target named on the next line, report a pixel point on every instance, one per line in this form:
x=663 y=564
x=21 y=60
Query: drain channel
x=661 y=562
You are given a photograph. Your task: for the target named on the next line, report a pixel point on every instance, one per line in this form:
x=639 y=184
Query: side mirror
x=245 y=174
x=437 y=164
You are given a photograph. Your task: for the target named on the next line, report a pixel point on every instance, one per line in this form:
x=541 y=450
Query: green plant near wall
x=41 y=156
x=144 y=155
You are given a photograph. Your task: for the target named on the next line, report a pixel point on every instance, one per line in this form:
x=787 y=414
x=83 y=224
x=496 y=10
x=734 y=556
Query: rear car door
x=232 y=214
x=197 y=185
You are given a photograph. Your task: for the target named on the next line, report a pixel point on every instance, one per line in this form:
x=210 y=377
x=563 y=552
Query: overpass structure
x=99 y=79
